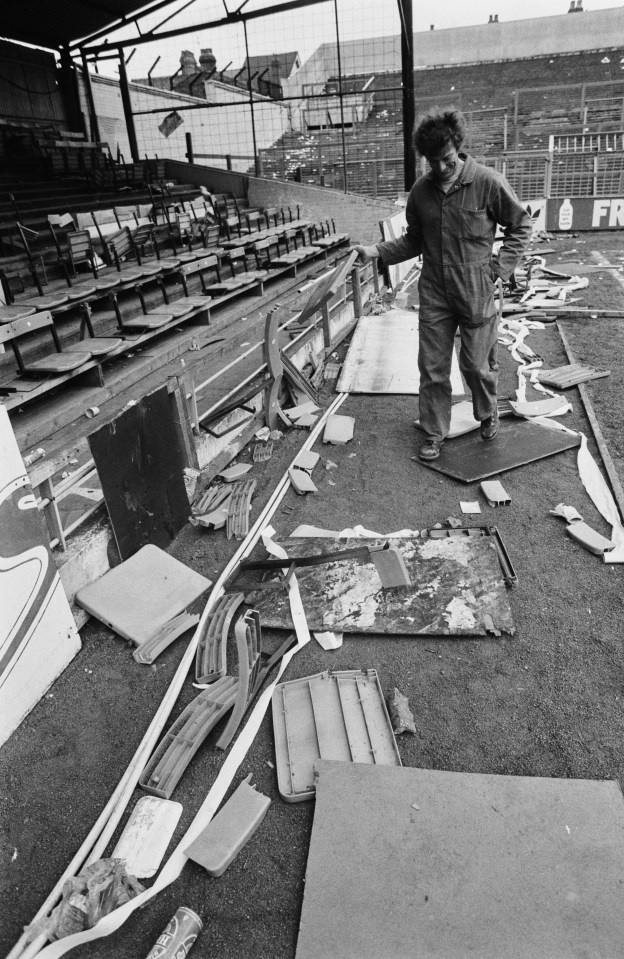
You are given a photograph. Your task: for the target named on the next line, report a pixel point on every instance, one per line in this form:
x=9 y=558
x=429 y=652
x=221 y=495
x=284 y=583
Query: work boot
x=489 y=427
x=430 y=450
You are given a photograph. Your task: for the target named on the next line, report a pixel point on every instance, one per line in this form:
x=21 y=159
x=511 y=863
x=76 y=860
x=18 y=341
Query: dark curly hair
x=435 y=128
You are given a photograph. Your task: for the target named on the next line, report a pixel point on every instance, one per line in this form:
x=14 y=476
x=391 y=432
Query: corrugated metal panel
x=28 y=85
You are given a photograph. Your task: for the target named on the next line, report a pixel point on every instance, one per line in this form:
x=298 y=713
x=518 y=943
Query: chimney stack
x=188 y=63
x=207 y=61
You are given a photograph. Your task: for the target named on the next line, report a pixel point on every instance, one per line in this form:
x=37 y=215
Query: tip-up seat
x=10 y=313
x=148 y=321
x=95 y=345
x=58 y=362
x=47 y=302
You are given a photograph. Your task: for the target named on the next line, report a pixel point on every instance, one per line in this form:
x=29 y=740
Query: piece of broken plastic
x=147 y=834
x=588 y=538
x=301 y=481
x=231 y=828
x=234 y=473
x=568 y=513
x=338 y=429
x=495 y=493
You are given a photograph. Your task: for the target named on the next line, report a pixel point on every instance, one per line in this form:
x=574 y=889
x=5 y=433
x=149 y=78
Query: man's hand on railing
x=366 y=254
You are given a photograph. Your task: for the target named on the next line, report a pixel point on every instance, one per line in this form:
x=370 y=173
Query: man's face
x=444 y=165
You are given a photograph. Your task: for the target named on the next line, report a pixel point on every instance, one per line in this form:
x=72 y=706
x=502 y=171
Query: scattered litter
x=211 y=498
x=306 y=460
x=301 y=481
x=191 y=479
x=330 y=465
x=239 y=507
x=162 y=637
x=270 y=764
x=568 y=513
x=305 y=422
x=303 y=409
x=263 y=434
x=390 y=566
x=553 y=406
x=350 y=699
x=494 y=493
x=146 y=835
x=234 y=473
x=452 y=522
x=400 y=714
x=275 y=435
x=588 y=538
x=37 y=454
x=141 y=594
x=14 y=856
x=352 y=456
x=95 y=892
x=338 y=429
x=232 y=827
x=415 y=806
x=470 y=507
x=329 y=640
x=331 y=371
x=263 y=451
x=92 y=411
x=563 y=377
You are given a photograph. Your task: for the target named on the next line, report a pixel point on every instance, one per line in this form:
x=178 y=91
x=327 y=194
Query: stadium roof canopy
x=54 y=25
x=70 y=23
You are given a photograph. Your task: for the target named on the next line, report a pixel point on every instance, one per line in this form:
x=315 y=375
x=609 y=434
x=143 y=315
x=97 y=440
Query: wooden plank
x=140 y=464
x=383 y=357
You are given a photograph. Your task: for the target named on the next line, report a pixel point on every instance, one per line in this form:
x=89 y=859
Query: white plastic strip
x=602 y=498
x=101 y=833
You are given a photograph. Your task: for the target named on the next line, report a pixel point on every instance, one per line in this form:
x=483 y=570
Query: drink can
x=176 y=941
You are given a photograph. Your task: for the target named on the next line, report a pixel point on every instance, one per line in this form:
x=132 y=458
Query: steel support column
x=93 y=120
x=127 y=106
x=69 y=93
x=251 y=104
x=407 y=77
x=340 y=94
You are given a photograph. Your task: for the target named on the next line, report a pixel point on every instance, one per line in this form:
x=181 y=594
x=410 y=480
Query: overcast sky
x=307 y=28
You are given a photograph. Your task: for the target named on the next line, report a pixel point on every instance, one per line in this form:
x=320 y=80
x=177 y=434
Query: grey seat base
x=150 y=321
x=96 y=345
x=58 y=363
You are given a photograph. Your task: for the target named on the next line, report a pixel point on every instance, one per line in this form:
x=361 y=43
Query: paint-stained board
x=140 y=461
x=457 y=589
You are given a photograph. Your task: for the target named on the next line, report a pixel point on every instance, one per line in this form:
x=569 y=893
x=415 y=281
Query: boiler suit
x=454 y=232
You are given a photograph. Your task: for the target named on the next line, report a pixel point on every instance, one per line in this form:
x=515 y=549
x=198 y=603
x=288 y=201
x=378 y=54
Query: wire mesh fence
x=315 y=94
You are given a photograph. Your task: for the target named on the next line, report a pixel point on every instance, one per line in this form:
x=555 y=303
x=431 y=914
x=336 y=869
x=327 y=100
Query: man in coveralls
x=452 y=213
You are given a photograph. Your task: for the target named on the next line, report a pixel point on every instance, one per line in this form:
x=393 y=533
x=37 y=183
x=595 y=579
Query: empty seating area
x=513 y=105
x=95 y=284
